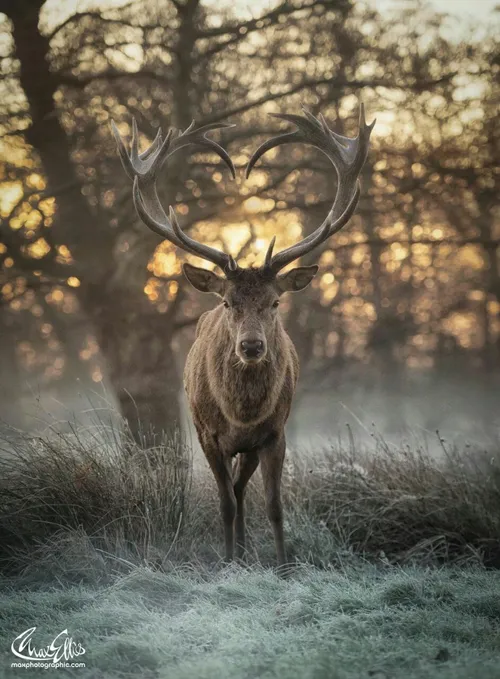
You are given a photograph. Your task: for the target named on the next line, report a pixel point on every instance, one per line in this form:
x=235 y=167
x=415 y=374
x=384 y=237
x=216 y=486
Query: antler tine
x=143 y=169
x=147 y=163
x=162 y=228
x=347 y=155
x=226 y=261
x=154 y=146
x=191 y=136
x=319 y=236
x=269 y=254
x=268 y=145
x=122 y=151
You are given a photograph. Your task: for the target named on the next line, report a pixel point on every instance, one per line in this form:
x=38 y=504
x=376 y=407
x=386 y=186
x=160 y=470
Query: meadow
x=394 y=563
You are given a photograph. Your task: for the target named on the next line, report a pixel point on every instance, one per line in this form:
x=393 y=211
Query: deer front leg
x=221 y=468
x=271 y=462
x=246 y=465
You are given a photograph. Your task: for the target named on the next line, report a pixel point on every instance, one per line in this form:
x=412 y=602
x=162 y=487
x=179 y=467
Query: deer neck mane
x=247 y=394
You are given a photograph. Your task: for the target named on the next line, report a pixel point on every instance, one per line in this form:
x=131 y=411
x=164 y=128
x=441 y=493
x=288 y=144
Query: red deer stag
x=241 y=371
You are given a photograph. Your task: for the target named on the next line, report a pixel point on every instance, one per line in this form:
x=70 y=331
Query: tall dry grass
x=406 y=505
x=128 y=505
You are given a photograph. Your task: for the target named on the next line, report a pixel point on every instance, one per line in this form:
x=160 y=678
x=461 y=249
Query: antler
x=347 y=156
x=143 y=169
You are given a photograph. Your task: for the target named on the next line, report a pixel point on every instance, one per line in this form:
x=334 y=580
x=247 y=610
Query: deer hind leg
x=221 y=468
x=246 y=464
x=271 y=463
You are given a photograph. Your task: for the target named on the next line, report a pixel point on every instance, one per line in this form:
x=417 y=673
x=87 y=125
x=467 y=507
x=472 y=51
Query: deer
x=241 y=372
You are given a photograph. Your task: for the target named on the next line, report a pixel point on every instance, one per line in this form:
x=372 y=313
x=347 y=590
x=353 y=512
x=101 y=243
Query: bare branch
x=340 y=84
x=94 y=15
x=81 y=82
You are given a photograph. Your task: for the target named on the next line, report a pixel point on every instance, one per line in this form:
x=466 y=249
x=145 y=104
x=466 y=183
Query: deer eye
x=276 y=303
x=226 y=304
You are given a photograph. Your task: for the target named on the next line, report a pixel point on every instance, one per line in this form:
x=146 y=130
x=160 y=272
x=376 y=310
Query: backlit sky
x=464 y=11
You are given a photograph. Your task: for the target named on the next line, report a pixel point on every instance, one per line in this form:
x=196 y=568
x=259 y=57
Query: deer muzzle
x=251 y=349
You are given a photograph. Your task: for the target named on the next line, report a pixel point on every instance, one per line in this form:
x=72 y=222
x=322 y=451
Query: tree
x=135 y=338
x=186 y=61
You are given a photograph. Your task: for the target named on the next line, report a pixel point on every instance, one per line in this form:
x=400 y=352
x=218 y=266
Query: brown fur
x=242 y=408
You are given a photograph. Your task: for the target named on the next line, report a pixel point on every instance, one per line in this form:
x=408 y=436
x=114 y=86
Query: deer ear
x=203 y=280
x=296 y=279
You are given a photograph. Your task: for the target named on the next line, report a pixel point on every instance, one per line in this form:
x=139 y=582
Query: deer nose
x=252 y=348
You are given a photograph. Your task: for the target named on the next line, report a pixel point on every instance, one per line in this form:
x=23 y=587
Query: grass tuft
x=70 y=504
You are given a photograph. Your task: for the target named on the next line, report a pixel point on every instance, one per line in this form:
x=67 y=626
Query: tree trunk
x=140 y=360
x=11 y=385
x=141 y=366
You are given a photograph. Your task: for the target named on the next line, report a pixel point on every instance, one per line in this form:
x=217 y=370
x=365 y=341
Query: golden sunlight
x=10 y=194
x=38 y=249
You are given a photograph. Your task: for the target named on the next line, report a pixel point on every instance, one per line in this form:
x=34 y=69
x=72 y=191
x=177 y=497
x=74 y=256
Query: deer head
x=250 y=296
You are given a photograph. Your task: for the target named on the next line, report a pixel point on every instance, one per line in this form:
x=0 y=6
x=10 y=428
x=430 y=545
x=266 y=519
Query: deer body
x=242 y=369
x=240 y=408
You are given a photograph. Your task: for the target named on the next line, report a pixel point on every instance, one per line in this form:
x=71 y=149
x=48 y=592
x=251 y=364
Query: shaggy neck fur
x=246 y=394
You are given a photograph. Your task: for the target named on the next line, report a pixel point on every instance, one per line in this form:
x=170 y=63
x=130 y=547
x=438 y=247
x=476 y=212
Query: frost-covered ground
x=243 y=623
x=395 y=564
